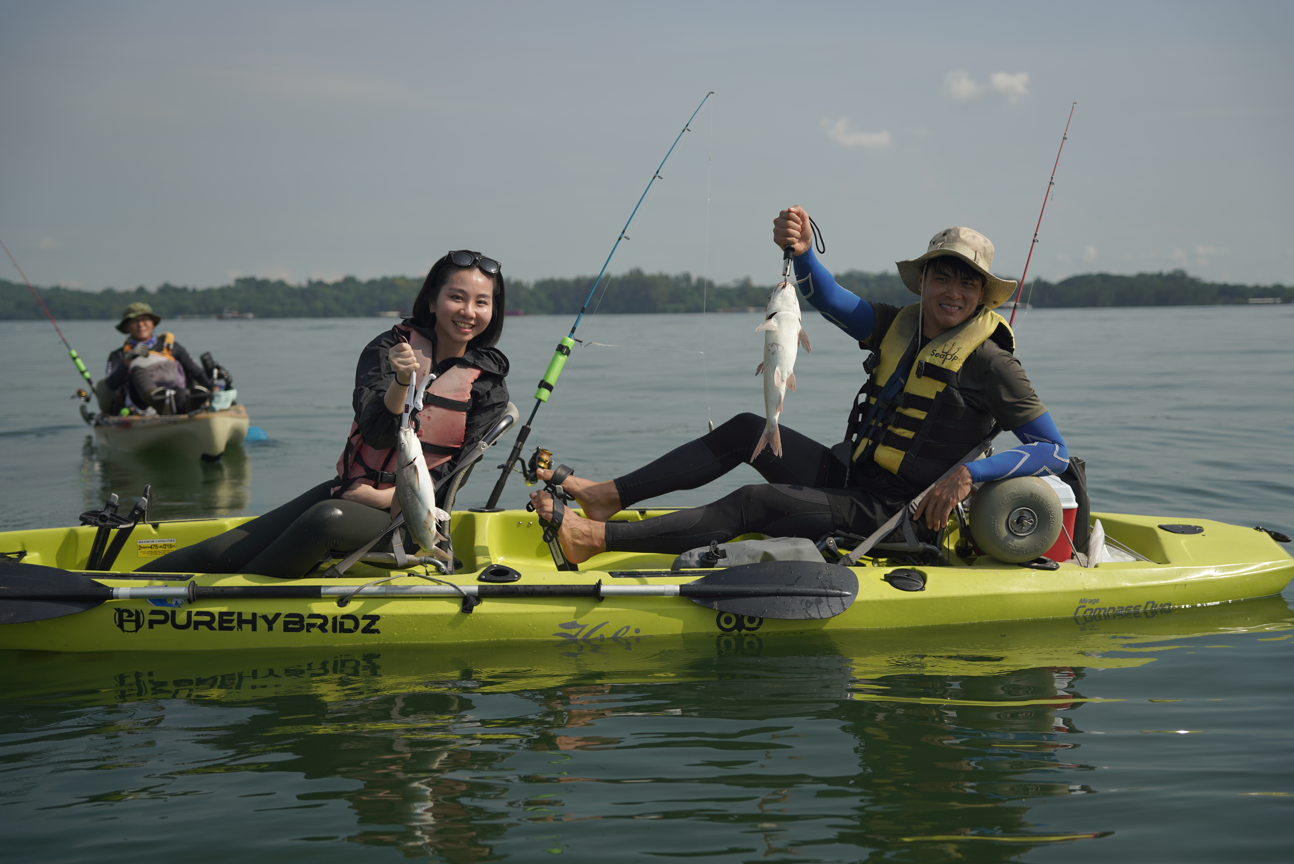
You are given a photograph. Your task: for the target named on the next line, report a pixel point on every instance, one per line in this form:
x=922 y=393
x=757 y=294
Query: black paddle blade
x=788 y=590
x=30 y=592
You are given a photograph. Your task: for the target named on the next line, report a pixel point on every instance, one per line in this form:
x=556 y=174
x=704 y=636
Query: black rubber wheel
x=1016 y=520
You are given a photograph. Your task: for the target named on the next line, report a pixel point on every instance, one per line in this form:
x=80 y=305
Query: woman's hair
x=423 y=311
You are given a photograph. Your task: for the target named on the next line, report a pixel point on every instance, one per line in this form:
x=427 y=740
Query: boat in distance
x=509 y=590
x=201 y=434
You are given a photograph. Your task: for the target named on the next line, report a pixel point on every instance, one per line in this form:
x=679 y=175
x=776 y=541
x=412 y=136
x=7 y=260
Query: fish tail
x=772 y=439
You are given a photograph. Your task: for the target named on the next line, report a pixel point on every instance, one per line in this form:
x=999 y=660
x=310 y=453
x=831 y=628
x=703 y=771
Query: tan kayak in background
x=204 y=434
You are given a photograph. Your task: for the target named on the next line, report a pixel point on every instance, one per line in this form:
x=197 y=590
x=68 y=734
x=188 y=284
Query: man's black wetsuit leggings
x=286 y=542
x=806 y=494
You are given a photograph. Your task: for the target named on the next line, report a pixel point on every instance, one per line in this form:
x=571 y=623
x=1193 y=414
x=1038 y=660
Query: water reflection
x=939 y=742
x=182 y=487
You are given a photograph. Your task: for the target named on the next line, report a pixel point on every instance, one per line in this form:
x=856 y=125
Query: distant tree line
x=631 y=292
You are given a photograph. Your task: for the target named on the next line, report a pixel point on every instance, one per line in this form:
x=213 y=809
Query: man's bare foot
x=599 y=501
x=580 y=538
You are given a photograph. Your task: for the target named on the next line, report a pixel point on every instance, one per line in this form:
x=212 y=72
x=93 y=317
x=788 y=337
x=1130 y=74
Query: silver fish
x=413 y=487
x=782 y=335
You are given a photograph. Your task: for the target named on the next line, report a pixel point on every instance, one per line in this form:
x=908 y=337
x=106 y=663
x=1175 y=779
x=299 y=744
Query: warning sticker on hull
x=155 y=548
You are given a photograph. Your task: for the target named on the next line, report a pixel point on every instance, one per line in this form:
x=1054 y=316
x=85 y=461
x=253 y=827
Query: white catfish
x=413 y=487
x=782 y=333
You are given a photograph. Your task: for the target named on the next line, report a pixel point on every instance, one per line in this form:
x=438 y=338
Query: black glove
x=140 y=350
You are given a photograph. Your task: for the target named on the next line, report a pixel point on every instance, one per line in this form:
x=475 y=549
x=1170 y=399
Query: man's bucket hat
x=138 y=310
x=970 y=246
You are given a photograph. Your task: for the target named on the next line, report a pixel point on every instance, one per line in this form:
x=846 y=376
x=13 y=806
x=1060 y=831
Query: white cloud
x=1089 y=254
x=1014 y=86
x=48 y=243
x=1211 y=250
x=842 y=134
x=959 y=86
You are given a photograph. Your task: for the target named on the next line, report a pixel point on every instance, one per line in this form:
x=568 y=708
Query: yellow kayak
x=509 y=590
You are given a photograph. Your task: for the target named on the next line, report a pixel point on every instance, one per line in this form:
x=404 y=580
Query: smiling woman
x=457 y=319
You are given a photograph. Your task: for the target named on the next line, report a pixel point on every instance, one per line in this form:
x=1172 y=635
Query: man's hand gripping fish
x=782 y=333
x=413 y=487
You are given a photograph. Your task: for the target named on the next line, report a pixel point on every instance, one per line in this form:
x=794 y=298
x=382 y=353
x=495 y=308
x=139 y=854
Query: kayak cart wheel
x=1016 y=520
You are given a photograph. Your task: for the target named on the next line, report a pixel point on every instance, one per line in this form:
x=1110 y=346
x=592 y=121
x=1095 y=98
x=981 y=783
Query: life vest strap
x=448 y=404
x=935 y=373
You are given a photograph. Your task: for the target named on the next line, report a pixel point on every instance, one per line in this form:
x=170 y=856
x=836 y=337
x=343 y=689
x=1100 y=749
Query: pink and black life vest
x=441 y=425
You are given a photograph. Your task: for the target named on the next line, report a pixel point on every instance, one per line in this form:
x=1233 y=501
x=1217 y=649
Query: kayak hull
x=204 y=435
x=1220 y=564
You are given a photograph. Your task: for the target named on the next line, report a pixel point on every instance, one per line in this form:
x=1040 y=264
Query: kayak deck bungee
x=204 y=434
x=615 y=596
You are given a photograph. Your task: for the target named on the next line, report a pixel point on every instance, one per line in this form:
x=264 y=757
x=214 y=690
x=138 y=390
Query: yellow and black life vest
x=168 y=346
x=927 y=426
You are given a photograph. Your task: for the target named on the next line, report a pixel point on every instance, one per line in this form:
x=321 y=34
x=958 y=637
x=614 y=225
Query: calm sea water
x=1168 y=740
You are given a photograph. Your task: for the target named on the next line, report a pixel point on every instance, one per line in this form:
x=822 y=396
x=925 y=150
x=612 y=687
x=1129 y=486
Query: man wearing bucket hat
x=151 y=370
x=942 y=377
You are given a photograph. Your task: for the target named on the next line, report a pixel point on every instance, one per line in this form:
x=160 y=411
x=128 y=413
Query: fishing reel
x=541 y=458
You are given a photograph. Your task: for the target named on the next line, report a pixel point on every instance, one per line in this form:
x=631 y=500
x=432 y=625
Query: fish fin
x=441 y=515
x=804 y=340
x=779 y=407
x=777 y=379
x=790 y=382
x=777 y=440
x=769 y=324
x=764 y=441
x=760 y=369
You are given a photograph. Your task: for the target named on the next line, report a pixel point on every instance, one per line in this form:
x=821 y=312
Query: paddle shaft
x=194 y=592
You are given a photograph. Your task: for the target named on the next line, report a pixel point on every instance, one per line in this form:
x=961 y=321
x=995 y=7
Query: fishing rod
x=1050 y=183
x=71 y=352
x=549 y=381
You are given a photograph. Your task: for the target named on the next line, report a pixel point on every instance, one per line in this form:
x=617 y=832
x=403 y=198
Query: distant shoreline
x=627 y=293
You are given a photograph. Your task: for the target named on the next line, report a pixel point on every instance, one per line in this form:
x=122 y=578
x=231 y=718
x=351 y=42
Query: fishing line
x=71 y=352
x=705 y=272
x=1045 y=197
x=549 y=380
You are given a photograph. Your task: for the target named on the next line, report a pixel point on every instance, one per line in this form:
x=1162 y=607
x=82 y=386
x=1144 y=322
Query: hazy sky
x=146 y=142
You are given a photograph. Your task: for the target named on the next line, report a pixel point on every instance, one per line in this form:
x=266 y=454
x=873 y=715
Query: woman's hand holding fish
x=405 y=364
x=792 y=228
x=403 y=361
x=943 y=497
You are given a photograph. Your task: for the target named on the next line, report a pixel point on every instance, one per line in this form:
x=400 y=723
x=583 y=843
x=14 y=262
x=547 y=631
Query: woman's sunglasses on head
x=464 y=258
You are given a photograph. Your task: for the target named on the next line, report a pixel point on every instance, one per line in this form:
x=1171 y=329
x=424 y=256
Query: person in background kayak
x=457 y=319
x=151 y=370
x=942 y=373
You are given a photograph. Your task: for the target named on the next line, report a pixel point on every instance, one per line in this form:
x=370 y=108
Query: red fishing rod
x=71 y=352
x=1050 y=183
